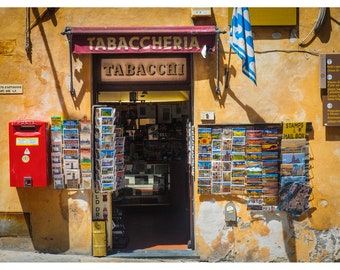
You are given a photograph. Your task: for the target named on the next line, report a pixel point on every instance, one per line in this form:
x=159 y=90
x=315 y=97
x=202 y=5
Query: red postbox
x=29 y=153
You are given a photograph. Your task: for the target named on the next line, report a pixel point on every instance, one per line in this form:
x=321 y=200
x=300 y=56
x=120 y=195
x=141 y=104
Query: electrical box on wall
x=207 y=115
x=200 y=12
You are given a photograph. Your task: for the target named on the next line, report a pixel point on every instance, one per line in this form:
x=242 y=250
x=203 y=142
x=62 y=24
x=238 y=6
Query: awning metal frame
x=192 y=30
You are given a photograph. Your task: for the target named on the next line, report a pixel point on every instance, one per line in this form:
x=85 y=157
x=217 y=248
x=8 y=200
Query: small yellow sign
x=27 y=141
x=294 y=130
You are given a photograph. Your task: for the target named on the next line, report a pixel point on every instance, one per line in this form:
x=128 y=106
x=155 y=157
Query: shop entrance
x=151 y=207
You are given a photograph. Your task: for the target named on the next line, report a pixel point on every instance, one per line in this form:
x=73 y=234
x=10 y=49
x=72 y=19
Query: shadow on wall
x=252 y=115
x=49 y=14
x=48 y=222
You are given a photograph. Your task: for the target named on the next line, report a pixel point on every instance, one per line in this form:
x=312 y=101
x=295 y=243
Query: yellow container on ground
x=99 y=239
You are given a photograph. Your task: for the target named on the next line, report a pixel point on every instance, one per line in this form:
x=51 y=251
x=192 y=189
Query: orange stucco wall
x=287 y=90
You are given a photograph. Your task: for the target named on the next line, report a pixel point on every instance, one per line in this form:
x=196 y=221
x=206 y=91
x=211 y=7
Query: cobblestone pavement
x=33 y=256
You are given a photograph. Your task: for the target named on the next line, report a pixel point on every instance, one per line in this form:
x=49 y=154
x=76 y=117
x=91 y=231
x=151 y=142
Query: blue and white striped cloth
x=241 y=41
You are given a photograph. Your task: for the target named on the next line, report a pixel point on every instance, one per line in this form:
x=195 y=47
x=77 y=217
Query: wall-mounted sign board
x=330 y=80
x=10 y=89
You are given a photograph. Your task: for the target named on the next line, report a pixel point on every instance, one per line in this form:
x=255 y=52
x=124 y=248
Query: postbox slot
x=28 y=128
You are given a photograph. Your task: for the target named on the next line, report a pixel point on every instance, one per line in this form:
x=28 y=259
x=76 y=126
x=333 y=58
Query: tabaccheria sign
x=166 y=39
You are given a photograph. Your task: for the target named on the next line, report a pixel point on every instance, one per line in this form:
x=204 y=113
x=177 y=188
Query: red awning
x=157 y=39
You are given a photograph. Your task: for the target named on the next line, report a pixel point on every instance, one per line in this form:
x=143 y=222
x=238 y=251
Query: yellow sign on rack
x=294 y=130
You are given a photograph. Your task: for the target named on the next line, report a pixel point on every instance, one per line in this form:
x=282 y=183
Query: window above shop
x=271 y=16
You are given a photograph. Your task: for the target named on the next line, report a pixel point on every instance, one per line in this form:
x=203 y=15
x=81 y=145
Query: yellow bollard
x=99 y=238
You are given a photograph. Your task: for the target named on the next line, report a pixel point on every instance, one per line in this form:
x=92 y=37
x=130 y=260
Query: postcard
x=238 y=156
x=239 y=140
x=253 y=148
x=253 y=156
x=254 y=141
x=226 y=155
x=204 y=173
x=227 y=133
x=204 y=156
x=238 y=148
x=215 y=188
x=227 y=144
x=270 y=155
x=216 y=155
x=216 y=145
x=71 y=123
x=216 y=165
x=105 y=120
x=254 y=192
x=58 y=181
x=204 y=190
x=216 y=133
x=69 y=134
x=71 y=164
x=254 y=133
x=226 y=165
x=226 y=176
x=237 y=190
x=71 y=144
x=85 y=126
x=225 y=188
x=85 y=140
x=204 y=148
x=293 y=158
x=270 y=132
x=216 y=176
x=56 y=157
x=204 y=165
x=57 y=169
x=57 y=146
x=103 y=153
x=71 y=154
x=238 y=164
x=239 y=131
x=56 y=136
x=105 y=112
x=85 y=155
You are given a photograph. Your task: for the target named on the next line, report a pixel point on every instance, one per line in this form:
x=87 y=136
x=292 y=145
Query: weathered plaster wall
x=287 y=90
x=60 y=221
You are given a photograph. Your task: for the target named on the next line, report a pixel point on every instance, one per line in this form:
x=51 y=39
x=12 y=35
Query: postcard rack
x=263 y=162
